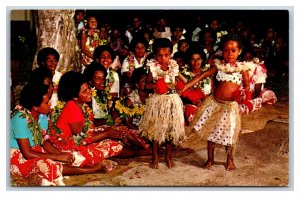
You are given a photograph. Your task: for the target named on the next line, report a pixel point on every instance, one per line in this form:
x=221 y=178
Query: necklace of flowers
x=230 y=68
x=131 y=62
x=125 y=111
x=189 y=76
x=109 y=82
x=33 y=125
x=103 y=103
x=169 y=75
x=93 y=33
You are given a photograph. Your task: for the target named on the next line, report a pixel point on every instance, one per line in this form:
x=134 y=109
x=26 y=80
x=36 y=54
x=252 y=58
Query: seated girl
x=105 y=114
x=195 y=95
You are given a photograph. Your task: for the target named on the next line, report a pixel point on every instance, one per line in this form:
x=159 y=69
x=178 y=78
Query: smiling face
x=51 y=63
x=196 y=61
x=105 y=59
x=231 y=51
x=99 y=80
x=85 y=94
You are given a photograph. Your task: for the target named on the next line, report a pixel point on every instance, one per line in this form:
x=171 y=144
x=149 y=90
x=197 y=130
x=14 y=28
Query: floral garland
x=131 y=62
x=102 y=103
x=136 y=111
x=34 y=126
x=88 y=121
x=230 y=68
x=109 y=82
x=169 y=75
x=204 y=84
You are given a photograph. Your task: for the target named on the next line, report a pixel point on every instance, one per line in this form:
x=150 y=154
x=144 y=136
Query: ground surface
x=262 y=159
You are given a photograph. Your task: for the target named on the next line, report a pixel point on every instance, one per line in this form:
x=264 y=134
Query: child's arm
x=200 y=77
x=246 y=84
x=150 y=85
x=83 y=48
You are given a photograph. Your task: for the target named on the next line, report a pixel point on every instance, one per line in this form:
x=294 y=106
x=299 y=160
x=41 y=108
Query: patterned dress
x=49 y=171
x=86 y=154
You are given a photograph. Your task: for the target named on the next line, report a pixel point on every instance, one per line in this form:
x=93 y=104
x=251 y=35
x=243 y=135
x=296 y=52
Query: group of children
x=162 y=102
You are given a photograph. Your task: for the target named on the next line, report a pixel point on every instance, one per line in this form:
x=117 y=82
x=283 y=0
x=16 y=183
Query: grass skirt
x=163 y=119
x=218 y=121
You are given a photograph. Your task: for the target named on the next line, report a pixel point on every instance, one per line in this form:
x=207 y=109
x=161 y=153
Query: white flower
x=205 y=50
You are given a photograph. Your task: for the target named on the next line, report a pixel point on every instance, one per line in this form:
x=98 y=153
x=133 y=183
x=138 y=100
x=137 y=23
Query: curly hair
x=162 y=43
x=69 y=85
x=39 y=74
x=136 y=41
x=137 y=75
x=200 y=52
x=99 y=50
x=44 y=52
x=229 y=37
x=32 y=95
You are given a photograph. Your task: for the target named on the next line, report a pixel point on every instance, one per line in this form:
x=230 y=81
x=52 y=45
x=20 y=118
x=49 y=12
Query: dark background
x=257 y=20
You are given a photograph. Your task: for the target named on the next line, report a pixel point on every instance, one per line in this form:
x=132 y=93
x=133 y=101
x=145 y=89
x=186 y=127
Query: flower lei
x=136 y=111
x=131 y=62
x=103 y=104
x=230 y=68
x=34 y=126
x=169 y=75
x=109 y=82
x=88 y=122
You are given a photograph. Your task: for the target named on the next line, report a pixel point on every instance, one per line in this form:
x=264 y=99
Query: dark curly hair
x=100 y=49
x=137 y=75
x=200 y=52
x=39 y=74
x=137 y=40
x=162 y=43
x=32 y=95
x=91 y=69
x=44 y=52
x=229 y=37
x=69 y=85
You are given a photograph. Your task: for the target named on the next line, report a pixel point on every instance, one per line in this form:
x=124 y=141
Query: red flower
x=161 y=86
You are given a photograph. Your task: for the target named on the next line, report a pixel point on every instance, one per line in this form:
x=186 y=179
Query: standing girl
x=163 y=120
x=89 y=41
x=218 y=119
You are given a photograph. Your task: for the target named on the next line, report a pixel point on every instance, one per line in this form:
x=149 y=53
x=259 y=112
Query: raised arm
x=200 y=77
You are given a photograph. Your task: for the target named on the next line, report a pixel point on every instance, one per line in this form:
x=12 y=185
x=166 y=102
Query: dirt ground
x=262 y=159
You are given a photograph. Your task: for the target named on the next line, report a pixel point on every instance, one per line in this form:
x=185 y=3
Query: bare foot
x=230 y=165
x=108 y=165
x=208 y=165
x=170 y=163
x=154 y=164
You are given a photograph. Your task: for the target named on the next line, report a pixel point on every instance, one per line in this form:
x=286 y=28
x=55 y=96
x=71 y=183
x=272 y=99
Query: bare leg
x=104 y=166
x=154 y=163
x=210 y=153
x=229 y=164
x=168 y=156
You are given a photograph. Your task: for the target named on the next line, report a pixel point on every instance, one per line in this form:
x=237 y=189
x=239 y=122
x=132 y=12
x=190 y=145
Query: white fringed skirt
x=163 y=119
